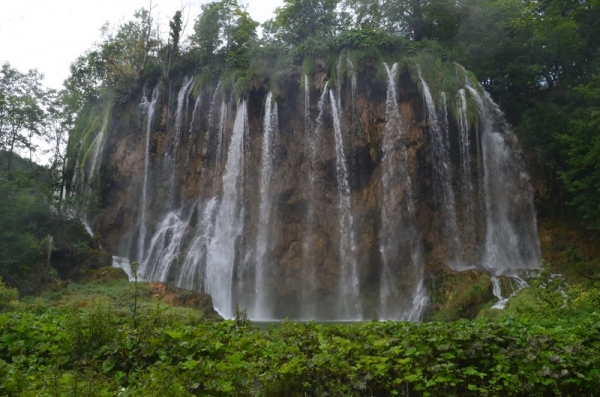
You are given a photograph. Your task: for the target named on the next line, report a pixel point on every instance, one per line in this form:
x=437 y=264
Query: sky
x=48 y=35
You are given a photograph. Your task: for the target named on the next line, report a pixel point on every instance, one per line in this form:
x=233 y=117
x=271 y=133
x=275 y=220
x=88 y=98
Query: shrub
x=7 y=295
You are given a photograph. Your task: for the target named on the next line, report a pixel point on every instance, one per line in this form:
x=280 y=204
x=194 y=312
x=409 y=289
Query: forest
x=538 y=59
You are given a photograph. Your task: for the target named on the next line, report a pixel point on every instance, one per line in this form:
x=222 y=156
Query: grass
x=110 y=288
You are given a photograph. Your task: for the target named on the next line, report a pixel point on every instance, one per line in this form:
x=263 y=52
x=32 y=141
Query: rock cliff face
x=323 y=199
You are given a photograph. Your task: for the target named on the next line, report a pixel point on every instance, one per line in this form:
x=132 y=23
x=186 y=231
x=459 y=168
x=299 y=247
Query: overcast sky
x=50 y=34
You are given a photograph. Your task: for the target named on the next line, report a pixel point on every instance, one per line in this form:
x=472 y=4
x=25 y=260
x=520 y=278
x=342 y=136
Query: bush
x=7 y=295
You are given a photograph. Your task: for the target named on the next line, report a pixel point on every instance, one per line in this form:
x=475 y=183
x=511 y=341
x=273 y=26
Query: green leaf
x=236 y=358
x=189 y=364
x=108 y=364
x=174 y=334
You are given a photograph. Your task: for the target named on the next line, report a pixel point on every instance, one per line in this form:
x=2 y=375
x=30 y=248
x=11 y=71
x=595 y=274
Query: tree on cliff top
x=297 y=20
x=222 y=33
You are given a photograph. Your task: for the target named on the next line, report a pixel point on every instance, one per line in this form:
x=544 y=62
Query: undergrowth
x=85 y=340
x=94 y=352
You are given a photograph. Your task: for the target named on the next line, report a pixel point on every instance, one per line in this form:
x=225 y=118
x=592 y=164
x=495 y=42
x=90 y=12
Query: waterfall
x=98 y=145
x=148 y=108
x=165 y=247
x=229 y=222
x=401 y=275
x=182 y=98
x=211 y=117
x=511 y=243
x=123 y=263
x=270 y=125
x=339 y=82
x=307 y=125
x=329 y=223
x=353 y=82
x=87 y=181
x=193 y=269
x=222 y=129
x=193 y=125
x=176 y=141
x=349 y=298
x=309 y=276
x=516 y=284
x=440 y=148
x=196 y=113
x=467 y=193
x=497 y=291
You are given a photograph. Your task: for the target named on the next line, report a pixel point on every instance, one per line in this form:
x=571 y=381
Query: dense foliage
x=95 y=353
x=38 y=236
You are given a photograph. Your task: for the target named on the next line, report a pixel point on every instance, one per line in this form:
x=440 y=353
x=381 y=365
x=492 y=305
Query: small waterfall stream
x=175 y=141
x=307 y=124
x=353 y=82
x=222 y=129
x=194 y=124
x=193 y=269
x=349 y=298
x=440 y=148
x=164 y=248
x=467 y=193
x=212 y=115
x=148 y=108
x=229 y=221
x=89 y=173
x=182 y=99
x=516 y=284
x=400 y=245
x=270 y=124
x=309 y=271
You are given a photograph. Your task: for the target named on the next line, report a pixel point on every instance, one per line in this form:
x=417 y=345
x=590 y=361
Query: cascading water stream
x=353 y=82
x=123 y=263
x=148 y=108
x=510 y=244
x=466 y=191
x=212 y=114
x=182 y=99
x=229 y=221
x=193 y=126
x=98 y=146
x=222 y=130
x=349 y=298
x=400 y=245
x=87 y=181
x=309 y=276
x=174 y=142
x=516 y=284
x=193 y=269
x=196 y=113
x=440 y=148
x=270 y=126
x=164 y=249
x=307 y=124
x=338 y=86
